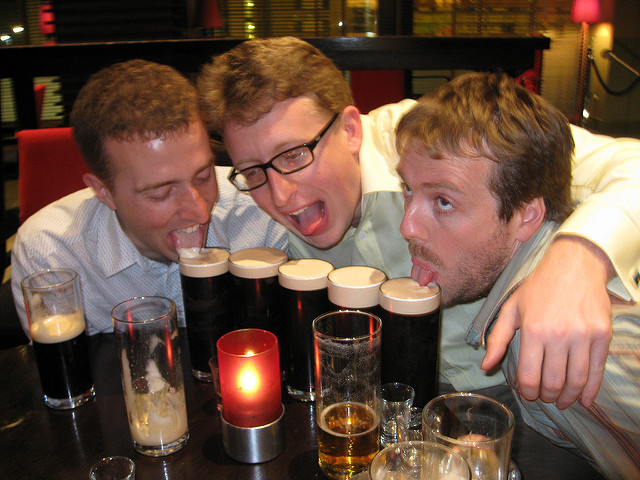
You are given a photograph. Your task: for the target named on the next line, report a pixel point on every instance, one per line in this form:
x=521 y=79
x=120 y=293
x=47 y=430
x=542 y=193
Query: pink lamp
x=585 y=12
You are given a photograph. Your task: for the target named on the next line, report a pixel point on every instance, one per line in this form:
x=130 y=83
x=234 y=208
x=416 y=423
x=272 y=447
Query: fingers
x=599 y=352
x=577 y=372
x=530 y=364
x=500 y=337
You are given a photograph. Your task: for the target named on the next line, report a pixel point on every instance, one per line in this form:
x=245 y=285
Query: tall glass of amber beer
x=347 y=359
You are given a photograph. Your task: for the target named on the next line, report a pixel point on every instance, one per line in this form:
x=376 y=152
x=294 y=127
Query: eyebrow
x=154 y=186
x=432 y=185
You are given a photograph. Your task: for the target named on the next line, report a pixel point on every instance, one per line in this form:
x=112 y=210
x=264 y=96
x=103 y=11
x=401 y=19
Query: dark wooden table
x=39 y=442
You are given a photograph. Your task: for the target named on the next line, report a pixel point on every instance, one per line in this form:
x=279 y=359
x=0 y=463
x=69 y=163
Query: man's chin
x=321 y=242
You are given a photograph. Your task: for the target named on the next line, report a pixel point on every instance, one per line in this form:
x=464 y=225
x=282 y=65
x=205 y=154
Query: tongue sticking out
x=189 y=241
x=423 y=277
x=309 y=218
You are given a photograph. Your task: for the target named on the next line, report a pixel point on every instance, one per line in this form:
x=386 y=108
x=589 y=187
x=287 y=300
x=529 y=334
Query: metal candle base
x=254 y=444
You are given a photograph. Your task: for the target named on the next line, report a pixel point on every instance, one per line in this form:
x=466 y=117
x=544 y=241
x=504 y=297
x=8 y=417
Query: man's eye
x=406 y=191
x=292 y=158
x=443 y=204
x=204 y=176
x=252 y=173
x=159 y=196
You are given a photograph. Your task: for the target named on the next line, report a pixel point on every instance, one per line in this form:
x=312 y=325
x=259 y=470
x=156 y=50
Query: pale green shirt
x=606 y=170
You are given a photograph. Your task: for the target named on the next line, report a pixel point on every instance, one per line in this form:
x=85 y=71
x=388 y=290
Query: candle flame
x=248 y=380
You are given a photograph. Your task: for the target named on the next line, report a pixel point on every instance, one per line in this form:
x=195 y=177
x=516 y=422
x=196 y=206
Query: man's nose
x=409 y=226
x=282 y=188
x=195 y=205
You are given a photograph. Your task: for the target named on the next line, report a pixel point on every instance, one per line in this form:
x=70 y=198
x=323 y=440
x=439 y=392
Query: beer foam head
x=208 y=262
x=405 y=296
x=355 y=286
x=305 y=274
x=261 y=262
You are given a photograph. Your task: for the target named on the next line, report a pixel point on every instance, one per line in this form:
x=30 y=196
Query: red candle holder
x=252 y=410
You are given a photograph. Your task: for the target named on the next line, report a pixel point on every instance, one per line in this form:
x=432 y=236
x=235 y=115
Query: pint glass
x=206 y=291
x=347 y=358
x=410 y=344
x=53 y=301
x=304 y=285
x=256 y=290
x=146 y=331
x=356 y=287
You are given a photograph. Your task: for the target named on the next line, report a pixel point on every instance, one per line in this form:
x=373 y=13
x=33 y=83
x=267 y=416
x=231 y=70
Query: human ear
x=353 y=127
x=100 y=189
x=529 y=217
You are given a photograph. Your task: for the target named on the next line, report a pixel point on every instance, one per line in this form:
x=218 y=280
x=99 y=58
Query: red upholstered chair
x=39 y=90
x=50 y=166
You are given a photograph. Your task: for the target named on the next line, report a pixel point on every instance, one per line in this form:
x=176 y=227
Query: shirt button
x=362 y=235
x=451 y=372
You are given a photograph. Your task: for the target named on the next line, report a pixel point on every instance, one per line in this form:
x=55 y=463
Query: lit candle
x=249 y=370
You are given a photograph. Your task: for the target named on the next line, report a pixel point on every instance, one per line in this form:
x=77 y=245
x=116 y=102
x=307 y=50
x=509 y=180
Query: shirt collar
x=115 y=251
x=520 y=266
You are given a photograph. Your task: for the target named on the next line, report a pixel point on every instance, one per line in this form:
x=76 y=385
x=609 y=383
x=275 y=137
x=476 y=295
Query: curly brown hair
x=489 y=115
x=133 y=100
x=243 y=84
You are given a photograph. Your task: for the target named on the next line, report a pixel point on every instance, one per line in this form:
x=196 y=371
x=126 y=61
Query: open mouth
x=308 y=219
x=188 y=241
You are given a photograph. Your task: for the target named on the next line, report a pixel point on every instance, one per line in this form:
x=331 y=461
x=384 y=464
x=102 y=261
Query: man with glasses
x=343 y=202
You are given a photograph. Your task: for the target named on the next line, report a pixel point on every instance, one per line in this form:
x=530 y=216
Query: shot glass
x=347 y=359
x=418 y=460
x=113 y=468
x=397 y=399
x=478 y=427
x=146 y=333
x=53 y=300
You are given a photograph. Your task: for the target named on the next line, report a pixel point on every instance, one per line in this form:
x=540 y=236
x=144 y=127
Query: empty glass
x=418 y=460
x=397 y=399
x=113 y=468
x=478 y=427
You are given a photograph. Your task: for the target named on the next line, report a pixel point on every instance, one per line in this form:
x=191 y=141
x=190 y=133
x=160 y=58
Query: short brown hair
x=243 y=84
x=489 y=115
x=128 y=101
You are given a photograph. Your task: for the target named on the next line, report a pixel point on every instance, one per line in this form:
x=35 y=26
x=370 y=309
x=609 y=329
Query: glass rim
x=347 y=339
x=417 y=443
x=171 y=309
x=273 y=341
x=501 y=406
x=41 y=273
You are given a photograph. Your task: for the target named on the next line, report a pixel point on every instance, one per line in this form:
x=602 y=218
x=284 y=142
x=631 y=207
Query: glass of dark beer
x=356 y=287
x=347 y=360
x=257 y=293
x=410 y=344
x=304 y=285
x=53 y=300
x=206 y=291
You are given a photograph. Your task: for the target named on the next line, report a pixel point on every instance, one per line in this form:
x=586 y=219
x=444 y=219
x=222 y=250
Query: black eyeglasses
x=289 y=161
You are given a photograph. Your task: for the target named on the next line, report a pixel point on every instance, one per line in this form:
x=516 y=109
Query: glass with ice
x=147 y=337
